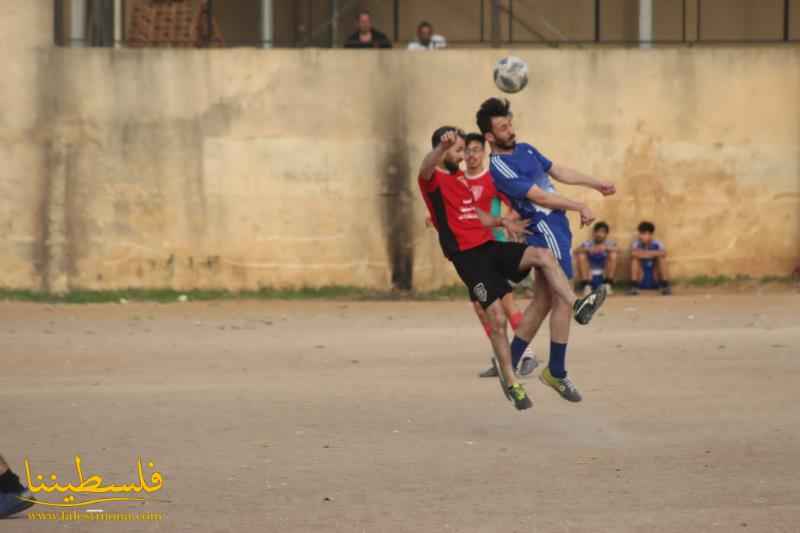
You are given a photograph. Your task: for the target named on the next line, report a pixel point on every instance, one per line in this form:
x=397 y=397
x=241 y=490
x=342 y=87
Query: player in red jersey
x=487 y=199
x=483 y=264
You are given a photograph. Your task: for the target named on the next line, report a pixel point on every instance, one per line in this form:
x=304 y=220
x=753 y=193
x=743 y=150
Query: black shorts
x=486 y=269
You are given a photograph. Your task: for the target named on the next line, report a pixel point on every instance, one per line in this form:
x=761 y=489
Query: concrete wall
x=244 y=168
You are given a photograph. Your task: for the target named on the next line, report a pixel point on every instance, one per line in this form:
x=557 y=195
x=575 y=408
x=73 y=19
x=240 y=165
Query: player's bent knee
x=497 y=317
x=557 y=305
x=539 y=257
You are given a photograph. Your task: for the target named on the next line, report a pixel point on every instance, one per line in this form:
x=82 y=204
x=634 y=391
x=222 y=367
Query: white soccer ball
x=511 y=74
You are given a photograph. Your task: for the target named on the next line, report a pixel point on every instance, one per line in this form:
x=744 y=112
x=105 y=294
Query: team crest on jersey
x=480 y=292
x=477 y=191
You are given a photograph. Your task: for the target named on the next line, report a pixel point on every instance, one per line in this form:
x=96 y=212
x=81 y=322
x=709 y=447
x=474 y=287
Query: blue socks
x=517 y=349
x=557 y=364
x=558 y=356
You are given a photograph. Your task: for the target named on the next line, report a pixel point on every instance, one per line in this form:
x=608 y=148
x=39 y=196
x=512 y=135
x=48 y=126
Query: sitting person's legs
x=636 y=275
x=662 y=274
x=584 y=271
x=648 y=279
x=611 y=268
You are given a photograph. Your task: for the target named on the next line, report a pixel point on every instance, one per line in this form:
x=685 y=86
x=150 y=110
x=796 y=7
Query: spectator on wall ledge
x=367 y=36
x=427 y=39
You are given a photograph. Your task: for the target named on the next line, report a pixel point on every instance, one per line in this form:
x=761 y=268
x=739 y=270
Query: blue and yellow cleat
x=563 y=386
x=519 y=396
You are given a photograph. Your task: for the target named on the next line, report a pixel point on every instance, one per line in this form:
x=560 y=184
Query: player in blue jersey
x=649 y=262
x=597 y=260
x=523 y=174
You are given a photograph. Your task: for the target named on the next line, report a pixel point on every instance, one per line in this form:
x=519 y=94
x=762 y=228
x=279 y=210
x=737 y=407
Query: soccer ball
x=511 y=74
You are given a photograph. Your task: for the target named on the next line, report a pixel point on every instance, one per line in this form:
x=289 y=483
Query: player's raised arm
x=435 y=156
x=552 y=200
x=570 y=176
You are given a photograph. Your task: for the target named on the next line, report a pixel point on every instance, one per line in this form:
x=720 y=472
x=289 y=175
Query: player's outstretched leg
x=523 y=367
x=583 y=309
x=532 y=319
x=527 y=364
x=555 y=375
x=12 y=492
x=514 y=391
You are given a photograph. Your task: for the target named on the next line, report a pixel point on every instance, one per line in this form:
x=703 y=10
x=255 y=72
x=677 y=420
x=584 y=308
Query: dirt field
x=369 y=417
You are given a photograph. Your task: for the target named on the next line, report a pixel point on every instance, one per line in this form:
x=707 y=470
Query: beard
x=451 y=167
x=506 y=145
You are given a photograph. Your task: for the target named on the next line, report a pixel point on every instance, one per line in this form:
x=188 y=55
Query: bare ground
x=314 y=416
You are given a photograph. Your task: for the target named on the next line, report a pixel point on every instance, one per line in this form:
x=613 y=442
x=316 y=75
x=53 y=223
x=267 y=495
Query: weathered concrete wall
x=246 y=168
x=23 y=211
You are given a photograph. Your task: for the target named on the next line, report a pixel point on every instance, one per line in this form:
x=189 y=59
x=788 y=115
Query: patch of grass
x=777 y=279
x=171 y=295
x=707 y=281
x=333 y=292
x=717 y=281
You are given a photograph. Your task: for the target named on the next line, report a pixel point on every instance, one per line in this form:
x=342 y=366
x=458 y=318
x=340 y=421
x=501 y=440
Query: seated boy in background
x=649 y=262
x=597 y=260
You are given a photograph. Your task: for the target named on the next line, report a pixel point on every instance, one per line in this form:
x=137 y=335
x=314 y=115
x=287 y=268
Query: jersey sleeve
x=658 y=246
x=544 y=161
x=636 y=245
x=429 y=185
x=508 y=181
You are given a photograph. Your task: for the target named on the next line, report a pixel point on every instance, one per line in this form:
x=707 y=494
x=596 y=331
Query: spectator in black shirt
x=367 y=36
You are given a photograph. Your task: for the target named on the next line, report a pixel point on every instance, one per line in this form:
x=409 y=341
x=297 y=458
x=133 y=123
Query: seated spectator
x=649 y=262
x=597 y=260
x=426 y=39
x=367 y=36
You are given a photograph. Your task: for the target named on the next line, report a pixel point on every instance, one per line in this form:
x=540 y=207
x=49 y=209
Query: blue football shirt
x=514 y=174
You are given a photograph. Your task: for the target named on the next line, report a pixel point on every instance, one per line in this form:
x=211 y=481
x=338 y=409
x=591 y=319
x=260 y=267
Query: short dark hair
x=493 y=107
x=475 y=138
x=647 y=227
x=424 y=24
x=436 y=138
x=601 y=225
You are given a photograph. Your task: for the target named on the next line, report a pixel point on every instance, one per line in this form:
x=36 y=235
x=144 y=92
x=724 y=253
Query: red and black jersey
x=452 y=208
x=484 y=191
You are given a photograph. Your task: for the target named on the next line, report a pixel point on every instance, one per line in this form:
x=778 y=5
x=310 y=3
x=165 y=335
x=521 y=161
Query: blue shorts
x=554 y=233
